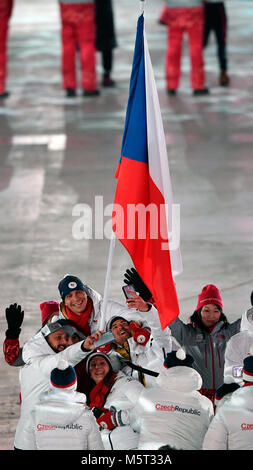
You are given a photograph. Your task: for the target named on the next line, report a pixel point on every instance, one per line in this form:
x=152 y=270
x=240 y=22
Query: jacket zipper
x=213 y=372
x=218 y=352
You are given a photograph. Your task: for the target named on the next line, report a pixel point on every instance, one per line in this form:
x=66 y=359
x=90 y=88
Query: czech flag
x=142 y=211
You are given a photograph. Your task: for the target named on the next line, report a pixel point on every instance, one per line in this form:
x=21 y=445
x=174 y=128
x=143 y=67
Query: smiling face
x=210 y=315
x=120 y=329
x=59 y=340
x=98 y=368
x=76 y=301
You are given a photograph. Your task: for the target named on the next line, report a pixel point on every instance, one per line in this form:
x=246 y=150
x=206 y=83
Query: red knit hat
x=210 y=294
x=48 y=308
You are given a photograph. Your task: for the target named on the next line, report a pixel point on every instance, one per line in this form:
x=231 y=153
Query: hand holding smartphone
x=105 y=338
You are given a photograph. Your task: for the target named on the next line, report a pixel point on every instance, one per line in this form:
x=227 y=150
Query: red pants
x=180 y=21
x=78 y=31
x=5 y=14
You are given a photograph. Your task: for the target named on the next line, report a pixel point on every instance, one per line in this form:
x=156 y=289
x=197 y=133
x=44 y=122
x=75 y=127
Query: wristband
x=13 y=333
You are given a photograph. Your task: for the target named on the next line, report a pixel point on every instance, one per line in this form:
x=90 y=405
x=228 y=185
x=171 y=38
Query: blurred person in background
x=105 y=38
x=78 y=34
x=216 y=21
x=6 y=8
x=184 y=17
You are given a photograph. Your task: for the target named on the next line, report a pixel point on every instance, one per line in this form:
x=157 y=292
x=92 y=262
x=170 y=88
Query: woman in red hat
x=205 y=338
x=206 y=335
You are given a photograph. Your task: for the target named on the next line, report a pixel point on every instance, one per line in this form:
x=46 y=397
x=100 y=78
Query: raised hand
x=132 y=277
x=14 y=316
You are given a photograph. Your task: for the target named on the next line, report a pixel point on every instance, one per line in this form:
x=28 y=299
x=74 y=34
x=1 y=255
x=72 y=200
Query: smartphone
x=237 y=371
x=105 y=338
x=127 y=291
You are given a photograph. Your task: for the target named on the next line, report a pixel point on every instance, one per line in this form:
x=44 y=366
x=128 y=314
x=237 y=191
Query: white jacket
x=62 y=421
x=34 y=379
x=151 y=356
x=122 y=397
x=160 y=341
x=238 y=347
x=174 y=412
x=231 y=427
x=114 y=308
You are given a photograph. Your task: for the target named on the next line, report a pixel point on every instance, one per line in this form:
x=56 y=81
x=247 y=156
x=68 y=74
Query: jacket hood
x=35 y=347
x=247 y=320
x=180 y=378
x=38 y=345
x=61 y=407
x=94 y=295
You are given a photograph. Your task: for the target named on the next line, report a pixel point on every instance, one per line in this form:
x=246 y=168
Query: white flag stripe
x=157 y=152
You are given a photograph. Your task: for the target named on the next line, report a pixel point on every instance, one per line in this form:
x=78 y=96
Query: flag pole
x=107 y=281
x=111 y=252
x=142 y=2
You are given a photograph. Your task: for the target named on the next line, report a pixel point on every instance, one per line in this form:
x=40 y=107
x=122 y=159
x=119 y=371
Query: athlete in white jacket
x=139 y=346
x=123 y=396
x=78 y=299
x=232 y=428
x=40 y=358
x=62 y=421
x=116 y=418
x=84 y=306
x=174 y=413
x=238 y=347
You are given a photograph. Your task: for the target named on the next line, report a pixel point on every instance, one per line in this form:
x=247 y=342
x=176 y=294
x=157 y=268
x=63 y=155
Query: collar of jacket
x=213 y=329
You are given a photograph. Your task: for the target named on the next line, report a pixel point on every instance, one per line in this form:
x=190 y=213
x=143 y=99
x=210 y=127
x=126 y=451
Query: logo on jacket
x=176 y=408
x=46 y=427
x=221 y=336
x=200 y=337
x=246 y=427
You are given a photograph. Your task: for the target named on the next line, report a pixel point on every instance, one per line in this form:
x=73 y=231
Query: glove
x=140 y=335
x=105 y=418
x=14 y=316
x=132 y=277
x=106 y=348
